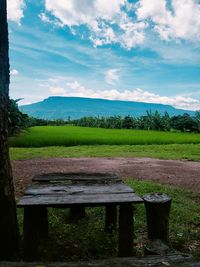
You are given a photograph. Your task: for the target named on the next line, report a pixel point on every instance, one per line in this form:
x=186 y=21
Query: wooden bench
x=77 y=191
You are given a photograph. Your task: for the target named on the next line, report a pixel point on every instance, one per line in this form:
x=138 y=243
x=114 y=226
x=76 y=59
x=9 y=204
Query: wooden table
x=77 y=191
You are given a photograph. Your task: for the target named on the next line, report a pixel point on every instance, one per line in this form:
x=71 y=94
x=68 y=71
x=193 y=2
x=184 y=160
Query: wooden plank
x=84 y=199
x=75 y=177
x=48 y=189
x=175 y=260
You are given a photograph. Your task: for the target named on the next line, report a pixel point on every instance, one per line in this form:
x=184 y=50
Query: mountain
x=76 y=107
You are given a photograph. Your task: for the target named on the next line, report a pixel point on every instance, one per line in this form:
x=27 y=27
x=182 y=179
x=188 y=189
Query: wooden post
x=31 y=234
x=126 y=230
x=157 y=212
x=43 y=226
x=77 y=213
x=35 y=226
x=110 y=218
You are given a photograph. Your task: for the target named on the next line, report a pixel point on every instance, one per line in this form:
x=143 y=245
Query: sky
x=135 y=50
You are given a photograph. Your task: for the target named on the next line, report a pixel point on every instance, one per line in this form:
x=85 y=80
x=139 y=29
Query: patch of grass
x=87 y=240
x=42 y=136
x=173 y=151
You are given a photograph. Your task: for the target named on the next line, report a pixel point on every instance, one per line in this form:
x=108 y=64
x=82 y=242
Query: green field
x=43 y=136
x=174 y=151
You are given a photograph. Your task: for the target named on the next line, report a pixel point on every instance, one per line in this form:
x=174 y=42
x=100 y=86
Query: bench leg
x=42 y=214
x=31 y=234
x=110 y=218
x=126 y=230
x=77 y=213
x=35 y=227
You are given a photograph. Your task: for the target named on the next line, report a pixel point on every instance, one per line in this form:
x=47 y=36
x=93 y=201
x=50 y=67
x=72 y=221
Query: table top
x=67 y=190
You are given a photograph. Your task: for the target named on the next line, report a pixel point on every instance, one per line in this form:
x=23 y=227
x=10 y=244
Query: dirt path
x=185 y=174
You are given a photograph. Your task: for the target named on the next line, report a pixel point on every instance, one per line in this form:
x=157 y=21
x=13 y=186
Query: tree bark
x=8 y=218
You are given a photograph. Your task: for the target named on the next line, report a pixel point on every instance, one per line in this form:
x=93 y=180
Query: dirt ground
x=185 y=174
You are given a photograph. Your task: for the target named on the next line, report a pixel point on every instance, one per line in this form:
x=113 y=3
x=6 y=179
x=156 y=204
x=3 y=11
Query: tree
x=8 y=218
x=183 y=123
x=197 y=119
x=16 y=119
x=128 y=122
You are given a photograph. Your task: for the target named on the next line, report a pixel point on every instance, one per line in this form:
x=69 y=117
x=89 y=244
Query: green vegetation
x=151 y=121
x=41 y=136
x=174 y=151
x=87 y=240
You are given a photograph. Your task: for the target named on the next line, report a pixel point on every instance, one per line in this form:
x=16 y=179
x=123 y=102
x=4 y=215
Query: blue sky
x=142 y=50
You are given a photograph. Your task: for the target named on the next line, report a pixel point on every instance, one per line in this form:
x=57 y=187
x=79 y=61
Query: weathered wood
x=157 y=211
x=77 y=213
x=43 y=226
x=48 y=189
x=31 y=233
x=79 y=195
x=78 y=199
x=175 y=260
x=110 y=218
x=8 y=218
x=126 y=230
x=78 y=177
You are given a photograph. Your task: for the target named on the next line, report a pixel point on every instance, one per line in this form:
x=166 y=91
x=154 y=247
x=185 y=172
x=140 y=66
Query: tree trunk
x=8 y=218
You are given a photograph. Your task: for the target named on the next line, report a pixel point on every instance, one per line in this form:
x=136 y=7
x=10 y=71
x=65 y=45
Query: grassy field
x=87 y=239
x=173 y=151
x=43 y=136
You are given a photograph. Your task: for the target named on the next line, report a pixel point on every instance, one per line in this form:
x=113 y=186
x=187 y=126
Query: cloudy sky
x=136 y=50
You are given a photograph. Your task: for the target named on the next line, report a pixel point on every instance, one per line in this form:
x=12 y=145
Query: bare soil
x=184 y=174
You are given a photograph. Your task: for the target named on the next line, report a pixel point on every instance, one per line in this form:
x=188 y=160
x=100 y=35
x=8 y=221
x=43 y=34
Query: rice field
x=44 y=136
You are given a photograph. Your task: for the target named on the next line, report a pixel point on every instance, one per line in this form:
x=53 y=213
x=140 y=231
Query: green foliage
x=152 y=121
x=17 y=119
x=41 y=136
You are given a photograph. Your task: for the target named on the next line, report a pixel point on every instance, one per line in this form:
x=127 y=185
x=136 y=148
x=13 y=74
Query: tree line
x=150 y=121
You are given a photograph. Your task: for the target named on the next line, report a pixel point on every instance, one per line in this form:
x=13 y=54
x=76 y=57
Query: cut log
x=157 y=212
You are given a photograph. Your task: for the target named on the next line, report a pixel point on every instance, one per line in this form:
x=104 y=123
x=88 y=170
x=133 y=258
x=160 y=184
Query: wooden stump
x=110 y=218
x=157 y=212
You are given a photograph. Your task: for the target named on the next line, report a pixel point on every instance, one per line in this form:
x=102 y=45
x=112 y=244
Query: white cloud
x=57 y=90
x=15 y=10
x=181 y=22
x=76 y=89
x=119 y=21
x=107 y=21
x=14 y=72
x=112 y=76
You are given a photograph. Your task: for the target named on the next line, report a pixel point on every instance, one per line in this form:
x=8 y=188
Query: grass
x=87 y=240
x=42 y=136
x=172 y=151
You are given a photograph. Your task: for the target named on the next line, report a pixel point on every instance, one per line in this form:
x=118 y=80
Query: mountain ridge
x=58 y=107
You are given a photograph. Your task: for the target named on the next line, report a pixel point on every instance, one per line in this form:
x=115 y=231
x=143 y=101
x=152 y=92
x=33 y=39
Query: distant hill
x=76 y=107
